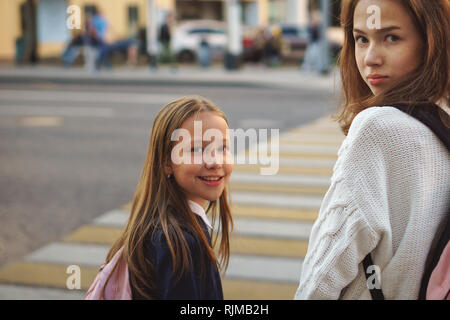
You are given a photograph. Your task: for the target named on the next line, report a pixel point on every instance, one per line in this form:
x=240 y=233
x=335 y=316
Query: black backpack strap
x=376 y=293
x=432 y=116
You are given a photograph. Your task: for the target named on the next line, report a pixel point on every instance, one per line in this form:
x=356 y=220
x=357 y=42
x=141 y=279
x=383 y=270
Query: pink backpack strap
x=439 y=284
x=117 y=287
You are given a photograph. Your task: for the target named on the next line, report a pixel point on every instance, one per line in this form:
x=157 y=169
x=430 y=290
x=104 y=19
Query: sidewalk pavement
x=248 y=76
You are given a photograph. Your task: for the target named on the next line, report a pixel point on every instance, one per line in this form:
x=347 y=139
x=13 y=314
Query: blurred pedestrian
x=259 y=45
x=312 y=59
x=28 y=42
x=390 y=192
x=273 y=46
x=167 y=241
x=91 y=44
x=128 y=48
x=99 y=29
x=277 y=44
x=133 y=53
x=204 y=53
x=165 y=39
x=73 y=49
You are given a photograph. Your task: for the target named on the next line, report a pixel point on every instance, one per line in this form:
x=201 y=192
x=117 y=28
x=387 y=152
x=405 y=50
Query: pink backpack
x=439 y=284
x=118 y=286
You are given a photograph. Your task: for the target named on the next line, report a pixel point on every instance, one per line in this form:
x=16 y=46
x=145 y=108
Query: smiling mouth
x=211 y=178
x=212 y=181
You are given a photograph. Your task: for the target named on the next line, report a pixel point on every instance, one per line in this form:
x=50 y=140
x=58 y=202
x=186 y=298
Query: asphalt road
x=70 y=152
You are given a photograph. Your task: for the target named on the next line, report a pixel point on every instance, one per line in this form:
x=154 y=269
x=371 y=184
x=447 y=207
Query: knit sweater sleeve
x=339 y=241
x=354 y=214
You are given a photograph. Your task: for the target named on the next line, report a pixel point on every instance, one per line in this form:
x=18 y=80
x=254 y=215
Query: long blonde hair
x=159 y=204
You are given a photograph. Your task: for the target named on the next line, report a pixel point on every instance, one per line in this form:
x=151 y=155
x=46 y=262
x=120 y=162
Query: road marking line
x=256 y=211
x=91 y=234
x=273 y=213
x=280 y=180
x=313 y=136
x=300 y=149
x=277 y=200
x=324 y=124
x=44 y=275
x=278 y=189
x=239 y=289
x=284 y=170
x=54 y=276
x=239 y=244
x=44 y=262
x=279 y=269
x=92 y=255
x=282 y=154
x=307 y=141
x=20 y=292
x=114 y=218
x=41 y=121
x=268 y=247
x=244 y=226
x=273 y=228
x=307 y=162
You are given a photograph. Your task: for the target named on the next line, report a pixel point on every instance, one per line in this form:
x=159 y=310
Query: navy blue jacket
x=193 y=285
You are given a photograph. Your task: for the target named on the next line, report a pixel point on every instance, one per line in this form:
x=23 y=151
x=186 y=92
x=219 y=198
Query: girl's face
x=204 y=177
x=389 y=52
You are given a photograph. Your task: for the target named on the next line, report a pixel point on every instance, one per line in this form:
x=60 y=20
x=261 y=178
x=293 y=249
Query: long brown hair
x=429 y=83
x=159 y=204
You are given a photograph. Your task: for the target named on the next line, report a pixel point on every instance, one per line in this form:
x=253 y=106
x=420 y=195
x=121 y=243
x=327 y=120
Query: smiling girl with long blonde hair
x=167 y=241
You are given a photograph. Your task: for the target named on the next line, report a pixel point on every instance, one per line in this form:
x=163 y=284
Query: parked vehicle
x=189 y=35
x=295 y=41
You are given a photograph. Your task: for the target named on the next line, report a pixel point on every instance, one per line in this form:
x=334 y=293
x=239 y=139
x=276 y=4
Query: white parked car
x=188 y=35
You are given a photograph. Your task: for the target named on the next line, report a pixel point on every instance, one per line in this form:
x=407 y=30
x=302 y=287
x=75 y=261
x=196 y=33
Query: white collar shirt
x=198 y=210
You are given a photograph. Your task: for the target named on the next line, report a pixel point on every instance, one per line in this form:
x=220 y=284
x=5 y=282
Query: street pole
x=297 y=12
x=302 y=12
x=325 y=47
x=152 y=33
x=234 y=28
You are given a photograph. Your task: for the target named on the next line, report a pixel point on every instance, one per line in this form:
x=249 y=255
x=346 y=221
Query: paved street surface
x=71 y=154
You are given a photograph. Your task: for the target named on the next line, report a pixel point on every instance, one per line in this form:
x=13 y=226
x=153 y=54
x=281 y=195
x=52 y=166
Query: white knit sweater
x=389 y=191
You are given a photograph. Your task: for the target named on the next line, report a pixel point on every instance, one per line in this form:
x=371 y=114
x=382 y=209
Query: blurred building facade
x=42 y=23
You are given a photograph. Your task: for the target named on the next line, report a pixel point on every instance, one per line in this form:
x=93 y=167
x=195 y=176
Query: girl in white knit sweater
x=390 y=188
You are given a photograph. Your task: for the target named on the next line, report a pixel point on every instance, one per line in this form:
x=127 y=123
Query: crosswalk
x=273 y=218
